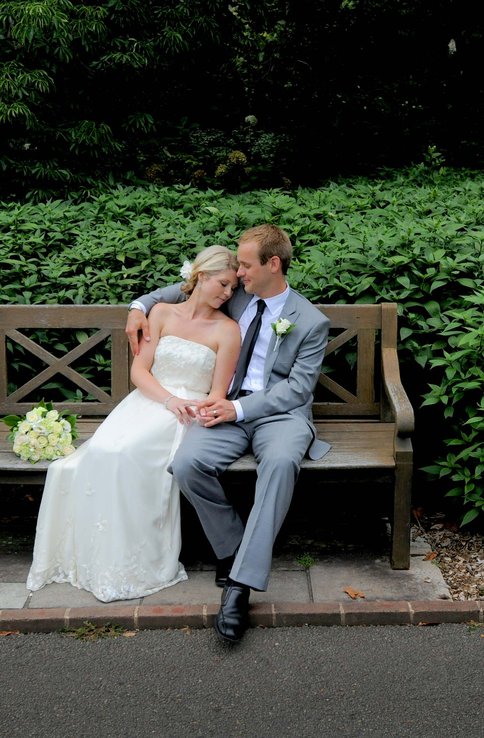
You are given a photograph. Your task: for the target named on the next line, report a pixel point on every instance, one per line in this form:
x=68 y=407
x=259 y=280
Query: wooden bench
x=360 y=405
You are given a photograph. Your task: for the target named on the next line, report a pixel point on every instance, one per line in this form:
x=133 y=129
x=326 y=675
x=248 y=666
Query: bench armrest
x=397 y=397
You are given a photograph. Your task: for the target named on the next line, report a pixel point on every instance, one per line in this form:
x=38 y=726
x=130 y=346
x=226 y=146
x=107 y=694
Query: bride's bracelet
x=165 y=402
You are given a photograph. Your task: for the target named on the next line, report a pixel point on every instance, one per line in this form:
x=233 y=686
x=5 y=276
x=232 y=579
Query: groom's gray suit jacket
x=291 y=369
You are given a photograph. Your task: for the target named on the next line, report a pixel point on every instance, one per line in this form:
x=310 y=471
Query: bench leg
x=400 y=552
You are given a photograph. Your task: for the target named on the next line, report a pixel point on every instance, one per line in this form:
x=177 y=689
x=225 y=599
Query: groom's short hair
x=273 y=241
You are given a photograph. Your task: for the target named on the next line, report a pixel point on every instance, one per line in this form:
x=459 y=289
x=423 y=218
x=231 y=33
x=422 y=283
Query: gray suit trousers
x=278 y=444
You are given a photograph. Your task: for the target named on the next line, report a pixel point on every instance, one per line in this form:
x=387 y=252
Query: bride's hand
x=184 y=410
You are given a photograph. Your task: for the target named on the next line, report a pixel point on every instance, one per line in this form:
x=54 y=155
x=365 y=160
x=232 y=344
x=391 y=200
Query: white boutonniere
x=281 y=328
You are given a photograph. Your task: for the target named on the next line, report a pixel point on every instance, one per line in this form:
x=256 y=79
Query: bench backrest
x=349 y=385
x=106 y=388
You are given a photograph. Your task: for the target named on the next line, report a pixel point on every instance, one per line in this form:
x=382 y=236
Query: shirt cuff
x=238 y=411
x=138 y=305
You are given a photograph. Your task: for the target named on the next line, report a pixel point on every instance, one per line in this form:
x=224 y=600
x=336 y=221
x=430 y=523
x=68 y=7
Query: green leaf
x=457 y=492
x=469 y=516
x=11 y=421
x=432 y=307
x=437 y=284
x=430 y=401
x=404 y=281
x=405 y=333
x=434 y=469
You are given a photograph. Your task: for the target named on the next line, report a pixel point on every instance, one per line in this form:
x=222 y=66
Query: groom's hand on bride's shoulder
x=214 y=412
x=136 y=322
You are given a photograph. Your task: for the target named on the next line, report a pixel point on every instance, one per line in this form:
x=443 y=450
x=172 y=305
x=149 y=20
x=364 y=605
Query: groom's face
x=255 y=277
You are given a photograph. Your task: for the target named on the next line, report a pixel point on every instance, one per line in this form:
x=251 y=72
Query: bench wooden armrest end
x=401 y=407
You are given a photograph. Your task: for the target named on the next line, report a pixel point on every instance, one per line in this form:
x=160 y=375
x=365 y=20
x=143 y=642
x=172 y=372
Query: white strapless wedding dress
x=109 y=521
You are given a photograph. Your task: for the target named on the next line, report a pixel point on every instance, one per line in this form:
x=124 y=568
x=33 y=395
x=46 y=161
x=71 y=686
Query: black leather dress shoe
x=222 y=570
x=232 y=619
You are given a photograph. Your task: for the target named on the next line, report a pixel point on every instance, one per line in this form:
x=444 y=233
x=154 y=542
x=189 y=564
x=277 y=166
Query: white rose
x=282 y=326
x=34 y=415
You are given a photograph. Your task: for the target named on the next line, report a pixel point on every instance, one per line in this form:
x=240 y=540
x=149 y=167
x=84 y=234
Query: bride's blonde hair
x=210 y=261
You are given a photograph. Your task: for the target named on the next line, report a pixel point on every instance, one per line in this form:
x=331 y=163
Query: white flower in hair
x=186 y=270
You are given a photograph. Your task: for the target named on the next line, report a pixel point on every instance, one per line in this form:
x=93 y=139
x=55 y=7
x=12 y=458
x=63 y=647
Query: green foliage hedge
x=414 y=237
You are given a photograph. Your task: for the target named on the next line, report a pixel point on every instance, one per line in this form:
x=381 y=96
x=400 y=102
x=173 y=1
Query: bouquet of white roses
x=42 y=434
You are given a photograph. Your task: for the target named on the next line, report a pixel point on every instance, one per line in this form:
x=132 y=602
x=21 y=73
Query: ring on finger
x=215 y=413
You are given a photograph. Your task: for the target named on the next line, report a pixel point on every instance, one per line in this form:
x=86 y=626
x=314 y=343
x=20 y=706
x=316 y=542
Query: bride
x=109 y=521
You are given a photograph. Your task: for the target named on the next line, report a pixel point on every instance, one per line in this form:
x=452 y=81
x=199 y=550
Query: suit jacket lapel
x=291 y=312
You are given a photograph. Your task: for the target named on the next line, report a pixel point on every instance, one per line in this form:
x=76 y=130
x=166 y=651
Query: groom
x=268 y=409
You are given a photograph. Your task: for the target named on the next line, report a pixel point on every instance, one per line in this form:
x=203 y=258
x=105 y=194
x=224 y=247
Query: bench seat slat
x=365 y=446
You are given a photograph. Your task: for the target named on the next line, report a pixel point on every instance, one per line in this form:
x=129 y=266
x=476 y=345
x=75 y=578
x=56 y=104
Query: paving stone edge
x=276 y=614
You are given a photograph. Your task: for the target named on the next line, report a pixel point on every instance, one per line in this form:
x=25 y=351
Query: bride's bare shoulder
x=227 y=323
x=159 y=315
